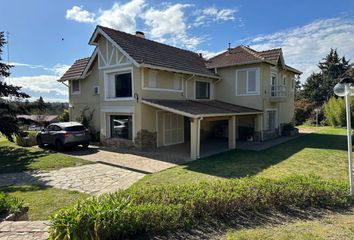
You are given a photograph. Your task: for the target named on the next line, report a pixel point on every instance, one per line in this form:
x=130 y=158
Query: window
x=119 y=85
x=271 y=120
x=202 y=90
x=247 y=82
x=121 y=126
x=152 y=79
x=177 y=82
x=284 y=81
x=75 y=86
x=292 y=83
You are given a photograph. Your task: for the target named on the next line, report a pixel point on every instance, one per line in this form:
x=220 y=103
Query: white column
x=232 y=132
x=349 y=136
x=195 y=138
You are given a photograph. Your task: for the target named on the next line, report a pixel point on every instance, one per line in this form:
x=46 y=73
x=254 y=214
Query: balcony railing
x=278 y=92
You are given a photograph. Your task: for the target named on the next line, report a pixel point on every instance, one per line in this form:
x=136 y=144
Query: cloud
x=16 y=64
x=40 y=84
x=213 y=14
x=121 y=16
x=77 y=13
x=305 y=46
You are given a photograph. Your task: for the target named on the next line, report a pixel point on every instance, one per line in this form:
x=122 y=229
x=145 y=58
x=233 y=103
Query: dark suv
x=64 y=134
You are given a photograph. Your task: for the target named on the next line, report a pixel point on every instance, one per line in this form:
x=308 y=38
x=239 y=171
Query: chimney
x=201 y=55
x=229 y=49
x=139 y=34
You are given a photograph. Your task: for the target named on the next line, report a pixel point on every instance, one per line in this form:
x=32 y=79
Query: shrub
x=135 y=212
x=27 y=139
x=9 y=204
x=64 y=117
x=335 y=113
x=303 y=110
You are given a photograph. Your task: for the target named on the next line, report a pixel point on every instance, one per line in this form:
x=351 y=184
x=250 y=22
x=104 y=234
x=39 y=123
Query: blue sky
x=306 y=30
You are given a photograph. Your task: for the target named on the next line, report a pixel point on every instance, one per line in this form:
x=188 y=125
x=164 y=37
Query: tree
x=40 y=106
x=318 y=87
x=64 y=117
x=8 y=110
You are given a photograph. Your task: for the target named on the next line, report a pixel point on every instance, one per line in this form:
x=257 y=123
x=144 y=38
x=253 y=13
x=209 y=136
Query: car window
x=75 y=128
x=51 y=128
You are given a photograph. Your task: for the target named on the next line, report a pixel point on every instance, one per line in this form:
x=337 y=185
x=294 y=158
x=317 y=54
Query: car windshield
x=75 y=128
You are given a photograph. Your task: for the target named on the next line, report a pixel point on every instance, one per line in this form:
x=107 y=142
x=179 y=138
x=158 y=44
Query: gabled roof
x=76 y=70
x=245 y=55
x=148 y=52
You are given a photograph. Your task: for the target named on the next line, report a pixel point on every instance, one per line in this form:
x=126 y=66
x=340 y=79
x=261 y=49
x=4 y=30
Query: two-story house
x=146 y=94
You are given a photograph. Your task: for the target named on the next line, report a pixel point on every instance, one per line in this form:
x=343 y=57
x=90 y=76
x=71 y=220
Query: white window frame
x=160 y=89
x=108 y=123
x=266 y=118
x=258 y=82
x=117 y=72
x=72 y=88
x=211 y=89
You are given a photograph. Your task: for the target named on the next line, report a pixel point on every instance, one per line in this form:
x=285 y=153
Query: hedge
x=135 y=212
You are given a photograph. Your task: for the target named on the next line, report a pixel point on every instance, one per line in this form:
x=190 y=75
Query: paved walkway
x=93 y=178
x=24 y=230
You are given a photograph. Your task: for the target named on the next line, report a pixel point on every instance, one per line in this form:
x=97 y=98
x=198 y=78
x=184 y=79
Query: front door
x=173 y=129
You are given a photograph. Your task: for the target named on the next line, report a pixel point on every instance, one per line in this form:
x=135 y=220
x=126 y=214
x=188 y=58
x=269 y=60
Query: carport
x=200 y=110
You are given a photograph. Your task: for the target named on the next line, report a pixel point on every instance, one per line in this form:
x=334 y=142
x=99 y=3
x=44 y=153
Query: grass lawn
x=17 y=159
x=322 y=153
x=43 y=201
x=336 y=226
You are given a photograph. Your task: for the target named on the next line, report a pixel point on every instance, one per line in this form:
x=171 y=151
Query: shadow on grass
x=241 y=163
x=23 y=188
x=17 y=159
x=247 y=220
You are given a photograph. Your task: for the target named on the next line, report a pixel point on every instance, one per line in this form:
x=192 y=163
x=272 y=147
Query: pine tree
x=8 y=110
x=318 y=87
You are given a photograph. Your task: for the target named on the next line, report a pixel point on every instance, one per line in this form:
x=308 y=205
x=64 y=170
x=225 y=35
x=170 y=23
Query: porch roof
x=200 y=108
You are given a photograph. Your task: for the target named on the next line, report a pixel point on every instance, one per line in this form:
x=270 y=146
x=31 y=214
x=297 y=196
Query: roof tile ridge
x=251 y=51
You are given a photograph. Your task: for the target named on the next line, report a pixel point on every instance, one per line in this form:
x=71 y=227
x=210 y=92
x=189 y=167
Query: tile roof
x=145 y=51
x=202 y=108
x=39 y=118
x=245 y=55
x=76 y=70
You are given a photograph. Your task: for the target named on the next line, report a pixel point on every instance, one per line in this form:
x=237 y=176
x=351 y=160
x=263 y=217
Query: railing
x=278 y=91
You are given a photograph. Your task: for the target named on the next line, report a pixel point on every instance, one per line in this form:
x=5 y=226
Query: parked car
x=64 y=134
x=34 y=128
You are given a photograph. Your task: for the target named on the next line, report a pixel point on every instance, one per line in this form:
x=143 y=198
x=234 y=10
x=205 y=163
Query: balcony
x=278 y=93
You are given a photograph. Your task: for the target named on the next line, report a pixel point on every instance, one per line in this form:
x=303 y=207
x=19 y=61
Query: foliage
x=335 y=112
x=318 y=87
x=39 y=106
x=151 y=210
x=303 y=110
x=9 y=204
x=85 y=118
x=27 y=139
x=8 y=111
x=64 y=117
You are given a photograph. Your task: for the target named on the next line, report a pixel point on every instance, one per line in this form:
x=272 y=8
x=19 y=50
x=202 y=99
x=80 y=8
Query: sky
x=45 y=37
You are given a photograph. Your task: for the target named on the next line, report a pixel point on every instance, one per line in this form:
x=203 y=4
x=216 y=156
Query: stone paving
x=93 y=178
x=24 y=230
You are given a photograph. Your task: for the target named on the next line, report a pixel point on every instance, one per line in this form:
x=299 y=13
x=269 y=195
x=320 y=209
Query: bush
x=135 y=212
x=27 y=139
x=64 y=117
x=303 y=110
x=335 y=113
x=9 y=205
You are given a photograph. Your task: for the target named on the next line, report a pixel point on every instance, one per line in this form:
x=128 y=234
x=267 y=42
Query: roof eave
x=244 y=63
x=178 y=71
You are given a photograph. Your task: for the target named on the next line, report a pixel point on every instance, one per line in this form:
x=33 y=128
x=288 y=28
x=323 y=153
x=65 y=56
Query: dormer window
x=118 y=85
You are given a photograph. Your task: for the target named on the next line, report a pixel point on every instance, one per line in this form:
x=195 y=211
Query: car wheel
x=40 y=142
x=85 y=145
x=59 y=145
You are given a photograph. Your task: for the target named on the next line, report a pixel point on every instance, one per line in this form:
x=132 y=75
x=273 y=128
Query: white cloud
x=40 y=84
x=213 y=14
x=121 y=16
x=77 y=13
x=16 y=64
x=305 y=46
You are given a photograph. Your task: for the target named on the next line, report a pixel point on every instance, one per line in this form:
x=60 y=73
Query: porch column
x=195 y=138
x=232 y=132
x=258 y=127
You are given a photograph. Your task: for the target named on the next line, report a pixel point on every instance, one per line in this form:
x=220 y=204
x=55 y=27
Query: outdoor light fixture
x=345 y=88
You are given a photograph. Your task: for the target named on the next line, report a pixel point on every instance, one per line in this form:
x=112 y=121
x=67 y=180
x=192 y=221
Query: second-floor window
x=202 y=90
x=75 y=86
x=119 y=85
x=247 y=82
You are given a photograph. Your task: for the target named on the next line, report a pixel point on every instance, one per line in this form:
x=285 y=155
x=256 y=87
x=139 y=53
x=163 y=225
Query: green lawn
x=335 y=226
x=17 y=159
x=43 y=201
x=322 y=153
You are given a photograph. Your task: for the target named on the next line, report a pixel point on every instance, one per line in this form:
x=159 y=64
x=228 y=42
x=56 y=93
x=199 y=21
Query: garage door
x=173 y=129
